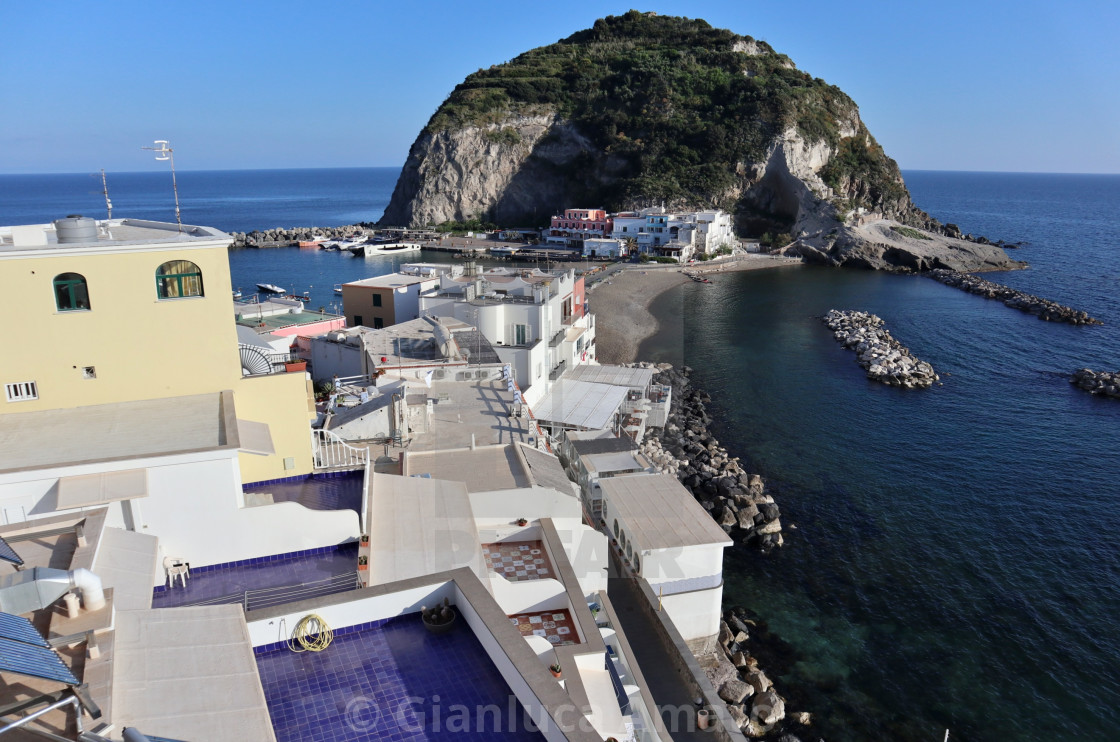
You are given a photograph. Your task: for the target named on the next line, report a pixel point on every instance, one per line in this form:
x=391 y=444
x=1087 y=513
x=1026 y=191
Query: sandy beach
x=621 y=302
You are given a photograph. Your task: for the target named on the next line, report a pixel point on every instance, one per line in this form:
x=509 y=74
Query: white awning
x=100 y=489
x=255 y=438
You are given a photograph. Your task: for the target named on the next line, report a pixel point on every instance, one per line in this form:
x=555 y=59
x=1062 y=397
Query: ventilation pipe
x=38 y=587
x=93 y=596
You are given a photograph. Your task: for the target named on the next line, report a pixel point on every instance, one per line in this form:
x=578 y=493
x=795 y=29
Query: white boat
x=338 y=289
x=384 y=248
x=270 y=288
x=237 y=294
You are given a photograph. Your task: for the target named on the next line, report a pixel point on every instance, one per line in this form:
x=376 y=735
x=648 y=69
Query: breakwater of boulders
x=751 y=698
x=884 y=358
x=1045 y=309
x=685 y=448
x=293 y=235
x=1104 y=383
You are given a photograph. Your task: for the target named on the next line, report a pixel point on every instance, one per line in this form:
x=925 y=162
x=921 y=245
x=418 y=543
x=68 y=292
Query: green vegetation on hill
x=671 y=106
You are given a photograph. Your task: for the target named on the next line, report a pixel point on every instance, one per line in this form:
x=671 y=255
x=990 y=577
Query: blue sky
x=1005 y=86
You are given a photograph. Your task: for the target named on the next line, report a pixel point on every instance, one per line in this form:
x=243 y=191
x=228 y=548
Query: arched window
x=629 y=552
x=70 y=292
x=176 y=279
x=637 y=564
x=616 y=527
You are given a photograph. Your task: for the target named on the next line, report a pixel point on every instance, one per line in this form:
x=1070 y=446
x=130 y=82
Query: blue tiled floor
x=318 y=492
x=393 y=682
x=234 y=581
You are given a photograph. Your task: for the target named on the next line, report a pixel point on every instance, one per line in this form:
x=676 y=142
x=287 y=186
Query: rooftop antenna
x=105 y=192
x=164 y=153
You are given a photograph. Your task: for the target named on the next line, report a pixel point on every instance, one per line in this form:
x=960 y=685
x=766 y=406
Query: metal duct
x=39 y=587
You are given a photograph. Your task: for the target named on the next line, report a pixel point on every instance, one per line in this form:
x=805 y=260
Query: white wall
x=672 y=565
x=354 y=612
x=329 y=359
x=696 y=615
x=195 y=511
x=529 y=595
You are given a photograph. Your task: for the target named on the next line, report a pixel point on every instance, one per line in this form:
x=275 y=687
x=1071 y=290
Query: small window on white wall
x=21 y=391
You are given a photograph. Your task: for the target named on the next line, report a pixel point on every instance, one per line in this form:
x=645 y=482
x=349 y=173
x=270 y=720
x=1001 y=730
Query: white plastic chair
x=176 y=567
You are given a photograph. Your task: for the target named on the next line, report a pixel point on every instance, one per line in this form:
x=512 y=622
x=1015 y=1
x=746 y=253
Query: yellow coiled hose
x=311 y=634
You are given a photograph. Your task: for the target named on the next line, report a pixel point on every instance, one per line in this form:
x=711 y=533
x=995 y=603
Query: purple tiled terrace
x=333 y=491
x=268 y=581
x=392 y=681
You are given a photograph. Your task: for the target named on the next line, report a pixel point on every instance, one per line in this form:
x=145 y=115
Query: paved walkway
x=669 y=691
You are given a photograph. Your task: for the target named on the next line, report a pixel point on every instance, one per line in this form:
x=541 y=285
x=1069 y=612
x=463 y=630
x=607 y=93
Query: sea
x=952 y=555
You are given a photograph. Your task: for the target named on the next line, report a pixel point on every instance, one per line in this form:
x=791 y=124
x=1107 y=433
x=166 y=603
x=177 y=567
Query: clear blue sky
x=1030 y=86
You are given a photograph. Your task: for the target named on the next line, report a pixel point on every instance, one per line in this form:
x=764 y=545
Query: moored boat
x=270 y=288
x=383 y=248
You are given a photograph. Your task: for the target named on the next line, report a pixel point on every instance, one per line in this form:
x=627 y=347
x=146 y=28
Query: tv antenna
x=164 y=153
x=104 y=192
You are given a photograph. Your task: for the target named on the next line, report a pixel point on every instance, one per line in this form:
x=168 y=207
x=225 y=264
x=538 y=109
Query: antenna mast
x=105 y=193
x=163 y=153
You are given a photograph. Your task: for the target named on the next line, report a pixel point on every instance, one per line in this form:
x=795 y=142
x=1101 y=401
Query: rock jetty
x=278 y=236
x=735 y=498
x=1042 y=308
x=1097 y=382
x=751 y=698
x=884 y=358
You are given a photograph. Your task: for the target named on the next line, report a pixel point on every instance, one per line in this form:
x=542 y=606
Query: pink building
x=575 y=225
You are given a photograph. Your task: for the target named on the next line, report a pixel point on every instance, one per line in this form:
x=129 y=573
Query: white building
x=662 y=534
x=535 y=320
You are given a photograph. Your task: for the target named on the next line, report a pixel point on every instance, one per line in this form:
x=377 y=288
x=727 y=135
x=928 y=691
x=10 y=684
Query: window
x=378 y=323
x=616 y=527
x=377 y=300
x=22 y=391
x=637 y=564
x=520 y=334
x=70 y=292
x=357 y=319
x=177 y=279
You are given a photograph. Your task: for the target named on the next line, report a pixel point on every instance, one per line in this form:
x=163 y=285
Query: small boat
x=383 y=248
x=270 y=288
x=338 y=289
x=237 y=294
x=315 y=241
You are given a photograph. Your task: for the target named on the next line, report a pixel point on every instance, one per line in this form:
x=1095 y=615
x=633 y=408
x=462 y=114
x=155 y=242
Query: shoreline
x=623 y=301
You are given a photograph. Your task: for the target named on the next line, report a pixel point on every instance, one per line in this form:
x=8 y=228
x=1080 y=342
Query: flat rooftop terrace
x=394 y=681
x=110 y=233
x=462 y=410
x=268 y=581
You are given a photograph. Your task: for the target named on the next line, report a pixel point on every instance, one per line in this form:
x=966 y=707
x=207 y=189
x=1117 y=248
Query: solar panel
x=36 y=662
x=20 y=629
x=8 y=554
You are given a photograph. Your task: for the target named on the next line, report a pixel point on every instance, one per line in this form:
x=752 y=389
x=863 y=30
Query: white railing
x=331 y=452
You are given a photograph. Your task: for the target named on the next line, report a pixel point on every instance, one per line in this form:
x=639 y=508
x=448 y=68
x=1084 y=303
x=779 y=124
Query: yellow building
x=127 y=310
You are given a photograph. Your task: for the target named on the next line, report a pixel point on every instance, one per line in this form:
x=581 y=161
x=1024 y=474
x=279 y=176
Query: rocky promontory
x=885 y=359
x=1044 y=309
x=580 y=124
x=1103 y=383
x=735 y=498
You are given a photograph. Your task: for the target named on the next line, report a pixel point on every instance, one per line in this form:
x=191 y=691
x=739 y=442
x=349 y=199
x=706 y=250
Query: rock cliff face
x=646 y=110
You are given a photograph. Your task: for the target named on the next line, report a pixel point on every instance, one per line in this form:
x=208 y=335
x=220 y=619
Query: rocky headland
x=735 y=498
x=708 y=119
x=1104 y=383
x=1044 y=309
x=885 y=359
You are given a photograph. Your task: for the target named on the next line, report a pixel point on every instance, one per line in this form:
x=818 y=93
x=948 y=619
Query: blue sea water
x=231 y=200
x=956 y=557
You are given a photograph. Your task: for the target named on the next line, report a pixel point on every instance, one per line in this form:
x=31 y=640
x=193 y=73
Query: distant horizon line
x=399 y=167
